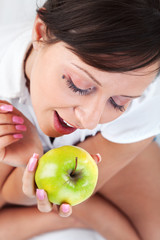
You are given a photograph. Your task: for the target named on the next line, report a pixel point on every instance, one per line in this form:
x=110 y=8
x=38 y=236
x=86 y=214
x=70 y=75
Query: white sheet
x=70 y=234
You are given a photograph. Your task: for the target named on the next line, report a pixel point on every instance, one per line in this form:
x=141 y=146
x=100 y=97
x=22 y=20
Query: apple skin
x=54 y=170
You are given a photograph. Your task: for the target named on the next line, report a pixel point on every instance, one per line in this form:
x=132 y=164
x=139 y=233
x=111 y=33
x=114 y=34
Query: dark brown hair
x=111 y=35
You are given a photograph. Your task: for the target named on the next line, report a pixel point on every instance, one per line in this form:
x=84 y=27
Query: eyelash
x=71 y=85
x=116 y=106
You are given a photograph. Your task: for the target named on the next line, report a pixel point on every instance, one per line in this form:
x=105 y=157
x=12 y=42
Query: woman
x=89 y=72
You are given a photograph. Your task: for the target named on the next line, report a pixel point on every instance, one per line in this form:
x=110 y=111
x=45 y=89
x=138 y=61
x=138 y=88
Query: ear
x=38 y=32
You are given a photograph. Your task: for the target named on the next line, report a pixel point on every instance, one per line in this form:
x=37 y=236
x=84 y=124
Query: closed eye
x=116 y=106
x=75 y=89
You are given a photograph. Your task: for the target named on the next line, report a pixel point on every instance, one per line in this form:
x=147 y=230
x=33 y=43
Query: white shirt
x=140 y=121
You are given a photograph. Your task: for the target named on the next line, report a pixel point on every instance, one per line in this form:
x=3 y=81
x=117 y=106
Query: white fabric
x=18 y=11
x=70 y=234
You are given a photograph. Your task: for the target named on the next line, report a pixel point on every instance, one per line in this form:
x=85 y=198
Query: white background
x=13 y=11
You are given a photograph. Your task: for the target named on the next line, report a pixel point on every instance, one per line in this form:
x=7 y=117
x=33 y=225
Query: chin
x=50 y=132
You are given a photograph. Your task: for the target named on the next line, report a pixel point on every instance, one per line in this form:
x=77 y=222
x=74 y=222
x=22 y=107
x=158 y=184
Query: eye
x=75 y=89
x=116 y=106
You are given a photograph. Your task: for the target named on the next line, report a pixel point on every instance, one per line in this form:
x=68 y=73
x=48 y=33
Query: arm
x=18 y=141
x=29 y=222
x=115 y=157
x=103 y=218
x=18 y=137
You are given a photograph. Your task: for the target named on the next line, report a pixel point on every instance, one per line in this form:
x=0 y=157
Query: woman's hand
x=11 y=127
x=18 y=137
x=29 y=189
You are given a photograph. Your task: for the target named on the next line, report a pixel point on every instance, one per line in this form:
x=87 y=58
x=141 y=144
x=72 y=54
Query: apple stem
x=73 y=172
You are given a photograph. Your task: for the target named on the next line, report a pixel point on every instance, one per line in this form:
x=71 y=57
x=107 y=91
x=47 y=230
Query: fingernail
x=65 y=208
x=6 y=107
x=17 y=119
x=36 y=155
x=99 y=158
x=40 y=193
x=18 y=136
x=21 y=127
x=32 y=162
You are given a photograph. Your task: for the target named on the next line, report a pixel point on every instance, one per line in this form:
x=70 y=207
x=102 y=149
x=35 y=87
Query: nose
x=90 y=113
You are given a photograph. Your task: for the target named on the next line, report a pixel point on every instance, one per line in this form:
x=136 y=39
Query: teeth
x=67 y=124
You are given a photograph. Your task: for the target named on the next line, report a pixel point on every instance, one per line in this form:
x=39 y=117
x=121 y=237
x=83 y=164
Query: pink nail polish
x=6 y=107
x=36 y=155
x=32 y=163
x=18 y=136
x=17 y=119
x=99 y=158
x=40 y=193
x=65 y=208
x=21 y=127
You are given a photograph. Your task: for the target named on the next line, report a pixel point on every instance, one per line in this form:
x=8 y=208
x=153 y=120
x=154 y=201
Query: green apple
x=68 y=174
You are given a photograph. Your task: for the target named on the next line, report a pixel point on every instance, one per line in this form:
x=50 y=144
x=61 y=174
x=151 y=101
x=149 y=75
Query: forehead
x=131 y=81
x=136 y=80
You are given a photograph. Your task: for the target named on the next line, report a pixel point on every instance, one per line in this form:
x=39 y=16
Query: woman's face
x=67 y=93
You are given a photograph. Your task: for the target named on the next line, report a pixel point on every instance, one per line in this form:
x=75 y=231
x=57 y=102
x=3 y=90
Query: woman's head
x=88 y=59
x=110 y=35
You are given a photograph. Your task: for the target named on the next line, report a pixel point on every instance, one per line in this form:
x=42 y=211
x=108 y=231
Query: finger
x=65 y=210
x=6 y=107
x=97 y=157
x=28 y=186
x=43 y=204
x=9 y=139
x=10 y=118
x=9 y=129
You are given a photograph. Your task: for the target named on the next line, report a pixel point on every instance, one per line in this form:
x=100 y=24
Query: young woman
x=88 y=76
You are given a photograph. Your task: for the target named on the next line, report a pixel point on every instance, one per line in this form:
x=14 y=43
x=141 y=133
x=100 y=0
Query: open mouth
x=61 y=125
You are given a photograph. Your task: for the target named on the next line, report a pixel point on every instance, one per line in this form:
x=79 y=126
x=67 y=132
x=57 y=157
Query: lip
x=60 y=126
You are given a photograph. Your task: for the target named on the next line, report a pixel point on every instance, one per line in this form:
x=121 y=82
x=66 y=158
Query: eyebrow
x=90 y=75
x=95 y=80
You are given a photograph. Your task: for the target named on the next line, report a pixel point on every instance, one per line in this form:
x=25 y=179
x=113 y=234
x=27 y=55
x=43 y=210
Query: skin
x=77 y=110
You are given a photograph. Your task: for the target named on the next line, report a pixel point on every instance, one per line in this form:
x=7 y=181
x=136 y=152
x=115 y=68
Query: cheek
x=110 y=114
x=49 y=94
